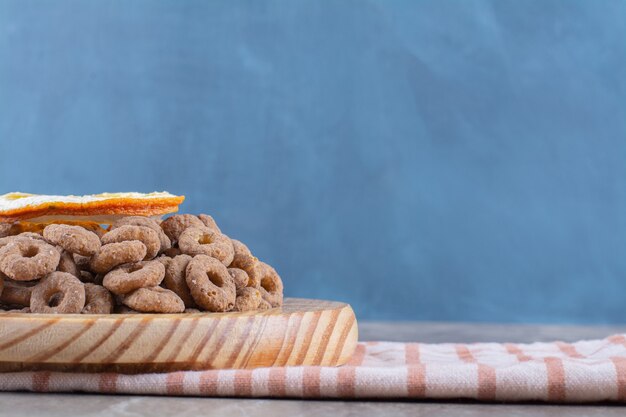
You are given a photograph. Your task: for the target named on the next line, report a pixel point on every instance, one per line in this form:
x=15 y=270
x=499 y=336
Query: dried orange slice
x=98 y=208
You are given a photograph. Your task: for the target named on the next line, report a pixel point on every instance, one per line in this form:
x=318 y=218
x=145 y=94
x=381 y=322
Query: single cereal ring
x=203 y=241
x=73 y=239
x=249 y=264
x=127 y=278
x=174 y=225
x=240 y=276
x=147 y=236
x=243 y=259
x=24 y=259
x=271 y=285
x=248 y=299
x=113 y=254
x=154 y=300
x=209 y=222
x=146 y=222
x=67 y=264
x=210 y=284
x=58 y=293
x=175 y=279
x=16 y=293
x=98 y=300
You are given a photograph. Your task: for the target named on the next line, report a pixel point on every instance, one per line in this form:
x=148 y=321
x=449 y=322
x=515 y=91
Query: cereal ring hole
x=205 y=239
x=30 y=252
x=215 y=279
x=55 y=299
x=268 y=284
x=135 y=268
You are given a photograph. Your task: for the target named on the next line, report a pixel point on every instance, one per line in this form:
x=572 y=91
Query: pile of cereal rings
x=183 y=264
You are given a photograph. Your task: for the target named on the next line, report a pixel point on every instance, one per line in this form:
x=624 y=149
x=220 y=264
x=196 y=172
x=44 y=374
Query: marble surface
x=56 y=405
x=62 y=405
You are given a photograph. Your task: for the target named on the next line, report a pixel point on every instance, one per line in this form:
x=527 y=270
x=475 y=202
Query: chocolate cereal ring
x=243 y=259
x=174 y=225
x=271 y=285
x=147 y=236
x=203 y=241
x=248 y=299
x=127 y=278
x=240 y=276
x=67 y=264
x=249 y=265
x=210 y=284
x=74 y=239
x=98 y=300
x=16 y=293
x=58 y=293
x=146 y=222
x=24 y=259
x=113 y=254
x=175 y=279
x=209 y=222
x=154 y=300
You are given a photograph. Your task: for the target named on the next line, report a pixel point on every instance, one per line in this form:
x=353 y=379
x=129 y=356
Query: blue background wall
x=420 y=159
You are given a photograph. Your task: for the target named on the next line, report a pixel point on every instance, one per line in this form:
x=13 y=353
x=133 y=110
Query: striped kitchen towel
x=556 y=372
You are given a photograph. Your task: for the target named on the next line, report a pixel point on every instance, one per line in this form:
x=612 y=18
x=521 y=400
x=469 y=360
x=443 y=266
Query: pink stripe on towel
x=555 y=372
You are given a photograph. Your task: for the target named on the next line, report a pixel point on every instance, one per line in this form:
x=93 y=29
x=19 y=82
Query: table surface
x=62 y=405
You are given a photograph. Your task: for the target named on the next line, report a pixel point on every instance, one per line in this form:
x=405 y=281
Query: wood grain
x=302 y=332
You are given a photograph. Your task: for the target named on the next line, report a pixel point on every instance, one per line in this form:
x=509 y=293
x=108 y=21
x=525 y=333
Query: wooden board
x=302 y=332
